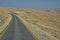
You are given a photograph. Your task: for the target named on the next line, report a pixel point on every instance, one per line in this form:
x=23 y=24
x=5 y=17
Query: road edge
x=5 y=25
x=35 y=36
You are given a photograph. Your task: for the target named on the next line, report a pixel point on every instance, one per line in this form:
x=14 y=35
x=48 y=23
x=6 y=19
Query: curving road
x=16 y=31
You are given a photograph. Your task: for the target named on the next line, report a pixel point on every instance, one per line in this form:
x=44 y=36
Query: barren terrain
x=4 y=20
x=46 y=20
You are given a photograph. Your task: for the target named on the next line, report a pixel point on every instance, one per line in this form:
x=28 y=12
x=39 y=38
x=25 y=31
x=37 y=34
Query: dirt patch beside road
x=4 y=26
x=46 y=21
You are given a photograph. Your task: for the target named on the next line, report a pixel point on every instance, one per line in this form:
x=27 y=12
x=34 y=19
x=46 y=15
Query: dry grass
x=3 y=17
x=49 y=21
x=4 y=14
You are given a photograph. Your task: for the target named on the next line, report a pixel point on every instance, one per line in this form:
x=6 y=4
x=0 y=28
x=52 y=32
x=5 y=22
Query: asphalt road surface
x=16 y=31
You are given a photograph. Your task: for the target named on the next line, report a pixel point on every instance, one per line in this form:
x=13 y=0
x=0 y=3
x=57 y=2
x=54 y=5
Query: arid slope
x=48 y=21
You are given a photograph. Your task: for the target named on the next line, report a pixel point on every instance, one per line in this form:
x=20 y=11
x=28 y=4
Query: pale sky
x=40 y=4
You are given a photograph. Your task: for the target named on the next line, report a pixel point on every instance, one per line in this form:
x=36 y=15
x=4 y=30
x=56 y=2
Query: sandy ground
x=48 y=21
x=45 y=20
x=4 y=26
x=5 y=18
x=36 y=32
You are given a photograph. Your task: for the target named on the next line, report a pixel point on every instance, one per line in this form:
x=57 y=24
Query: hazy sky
x=30 y=3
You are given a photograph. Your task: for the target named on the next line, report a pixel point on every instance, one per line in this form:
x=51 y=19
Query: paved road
x=16 y=31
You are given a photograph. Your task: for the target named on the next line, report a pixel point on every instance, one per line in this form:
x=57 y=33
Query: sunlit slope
x=49 y=21
x=3 y=16
x=4 y=20
x=46 y=20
